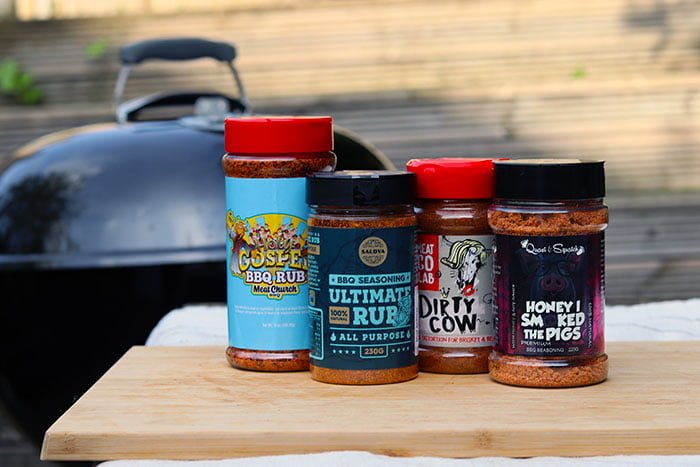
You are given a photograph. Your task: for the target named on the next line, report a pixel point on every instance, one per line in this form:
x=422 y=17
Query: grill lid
x=138 y=194
x=113 y=195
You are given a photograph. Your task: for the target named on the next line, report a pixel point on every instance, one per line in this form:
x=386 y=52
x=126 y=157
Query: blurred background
x=604 y=79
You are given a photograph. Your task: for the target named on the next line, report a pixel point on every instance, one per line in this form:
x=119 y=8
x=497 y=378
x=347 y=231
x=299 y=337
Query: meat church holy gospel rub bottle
x=266 y=162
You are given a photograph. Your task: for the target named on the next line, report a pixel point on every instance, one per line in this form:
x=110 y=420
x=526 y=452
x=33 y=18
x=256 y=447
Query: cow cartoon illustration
x=466 y=257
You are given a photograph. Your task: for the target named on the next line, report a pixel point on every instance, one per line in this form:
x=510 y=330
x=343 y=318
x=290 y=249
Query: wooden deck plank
x=421 y=78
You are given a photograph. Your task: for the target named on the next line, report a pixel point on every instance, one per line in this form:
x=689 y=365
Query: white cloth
x=207 y=325
x=365 y=459
x=191 y=325
x=661 y=321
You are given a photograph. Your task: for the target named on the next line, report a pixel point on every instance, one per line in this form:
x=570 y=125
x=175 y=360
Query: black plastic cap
x=549 y=179
x=360 y=188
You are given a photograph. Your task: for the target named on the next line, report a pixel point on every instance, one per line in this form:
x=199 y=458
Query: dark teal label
x=361 y=298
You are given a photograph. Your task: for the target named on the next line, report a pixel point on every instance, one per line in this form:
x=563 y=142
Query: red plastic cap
x=453 y=178
x=278 y=135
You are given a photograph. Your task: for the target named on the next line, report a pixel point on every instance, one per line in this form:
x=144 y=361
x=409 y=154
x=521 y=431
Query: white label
x=455 y=290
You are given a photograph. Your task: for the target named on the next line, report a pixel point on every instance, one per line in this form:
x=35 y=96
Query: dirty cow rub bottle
x=361 y=277
x=266 y=162
x=455 y=262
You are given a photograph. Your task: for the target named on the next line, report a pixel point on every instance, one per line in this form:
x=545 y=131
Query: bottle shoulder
x=453 y=217
x=277 y=165
x=550 y=219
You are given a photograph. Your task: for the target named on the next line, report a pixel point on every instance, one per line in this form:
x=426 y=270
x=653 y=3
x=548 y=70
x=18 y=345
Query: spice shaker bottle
x=361 y=277
x=549 y=217
x=266 y=162
x=455 y=262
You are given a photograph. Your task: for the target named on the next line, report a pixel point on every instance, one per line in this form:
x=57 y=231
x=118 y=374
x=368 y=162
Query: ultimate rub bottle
x=549 y=217
x=361 y=277
x=266 y=218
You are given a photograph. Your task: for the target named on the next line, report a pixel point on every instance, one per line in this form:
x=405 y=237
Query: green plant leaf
x=30 y=96
x=24 y=81
x=9 y=69
x=97 y=49
x=19 y=84
x=578 y=73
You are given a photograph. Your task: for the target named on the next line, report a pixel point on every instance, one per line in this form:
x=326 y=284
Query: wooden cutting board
x=187 y=403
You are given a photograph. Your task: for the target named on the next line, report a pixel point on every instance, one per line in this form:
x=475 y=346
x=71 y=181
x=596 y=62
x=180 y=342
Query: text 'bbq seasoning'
x=266 y=163
x=361 y=277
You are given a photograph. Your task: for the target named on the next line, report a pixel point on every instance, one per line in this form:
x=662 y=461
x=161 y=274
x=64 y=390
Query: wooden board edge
x=49 y=435
x=60 y=446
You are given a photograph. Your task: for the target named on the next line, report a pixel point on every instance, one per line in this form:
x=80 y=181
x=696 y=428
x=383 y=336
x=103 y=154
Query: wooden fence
x=605 y=79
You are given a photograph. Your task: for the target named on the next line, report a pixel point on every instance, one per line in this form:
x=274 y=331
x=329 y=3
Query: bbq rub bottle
x=549 y=217
x=266 y=163
x=455 y=262
x=361 y=277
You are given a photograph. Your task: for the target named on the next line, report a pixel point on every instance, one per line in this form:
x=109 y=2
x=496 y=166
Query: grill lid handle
x=176 y=49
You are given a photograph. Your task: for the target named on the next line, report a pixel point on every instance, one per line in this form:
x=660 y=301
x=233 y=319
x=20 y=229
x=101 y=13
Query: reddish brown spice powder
x=581 y=219
x=286 y=360
x=543 y=373
x=286 y=166
x=565 y=219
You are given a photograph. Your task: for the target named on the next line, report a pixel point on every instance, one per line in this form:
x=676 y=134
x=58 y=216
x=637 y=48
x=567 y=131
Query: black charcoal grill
x=105 y=228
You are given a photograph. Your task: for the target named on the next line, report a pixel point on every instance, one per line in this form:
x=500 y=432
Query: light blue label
x=267 y=263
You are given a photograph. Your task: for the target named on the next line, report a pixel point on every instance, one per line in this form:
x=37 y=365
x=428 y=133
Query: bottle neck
x=592 y=203
x=281 y=156
x=362 y=211
x=548 y=218
x=429 y=203
x=453 y=216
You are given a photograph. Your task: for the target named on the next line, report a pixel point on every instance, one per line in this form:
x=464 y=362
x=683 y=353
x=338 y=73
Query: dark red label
x=549 y=295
